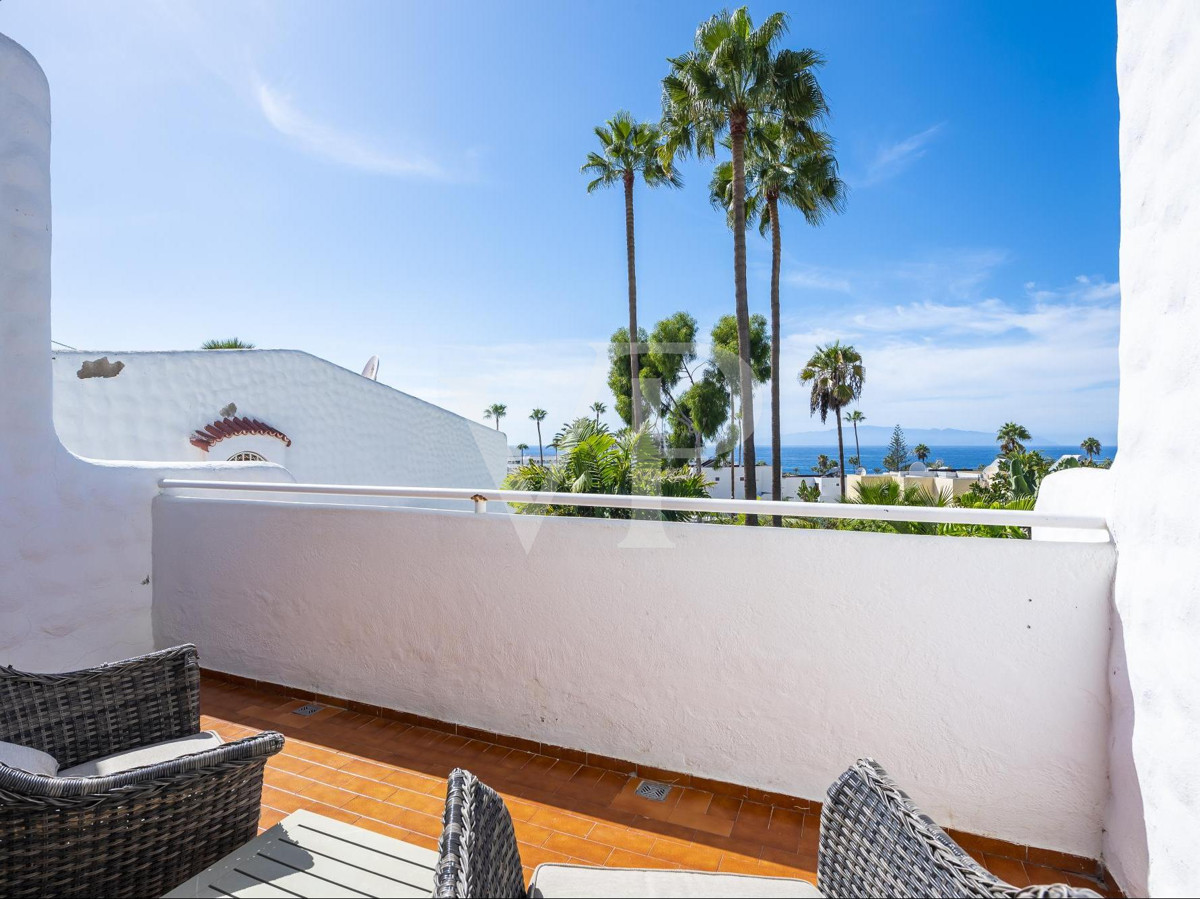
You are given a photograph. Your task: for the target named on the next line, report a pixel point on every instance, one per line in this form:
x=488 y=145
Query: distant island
x=874 y=435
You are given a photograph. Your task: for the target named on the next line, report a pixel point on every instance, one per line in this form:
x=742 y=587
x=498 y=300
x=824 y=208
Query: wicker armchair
x=477 y=852
x=876 y=842
x=138 y=832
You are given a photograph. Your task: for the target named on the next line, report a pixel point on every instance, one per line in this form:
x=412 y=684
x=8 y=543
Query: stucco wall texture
x=345 y=429
x=74 y=537
x=974 y=670
x=1154 y=822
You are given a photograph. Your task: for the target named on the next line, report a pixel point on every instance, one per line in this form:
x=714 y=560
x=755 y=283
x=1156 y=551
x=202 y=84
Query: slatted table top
x=308 y=855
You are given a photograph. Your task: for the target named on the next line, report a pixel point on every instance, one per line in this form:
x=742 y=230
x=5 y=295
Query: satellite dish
x=371 y=369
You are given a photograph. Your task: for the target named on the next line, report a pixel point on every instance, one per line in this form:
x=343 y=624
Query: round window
x=246 y=457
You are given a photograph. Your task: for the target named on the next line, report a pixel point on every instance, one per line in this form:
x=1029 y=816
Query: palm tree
x=921 y=451
x=629 y=147
x=802 y=174
x=1091 y=446
x=855 y=418
x=731 y=77
x=538 y=416
x=228 y=343
x=521 y=447
x=1010 y=437
x=496 y=411
x=599 y=408
x=837 y=374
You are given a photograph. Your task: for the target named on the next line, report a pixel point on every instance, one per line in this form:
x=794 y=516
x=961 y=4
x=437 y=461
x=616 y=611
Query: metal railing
x=481 y=497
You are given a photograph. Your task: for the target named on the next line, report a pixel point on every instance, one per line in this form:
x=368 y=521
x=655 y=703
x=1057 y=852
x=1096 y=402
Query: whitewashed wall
x=1154 y=820
x=74 y=537
x=345 y=429
x=973 y=669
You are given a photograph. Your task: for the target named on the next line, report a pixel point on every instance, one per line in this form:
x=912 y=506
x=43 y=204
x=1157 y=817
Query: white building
x=323 y=423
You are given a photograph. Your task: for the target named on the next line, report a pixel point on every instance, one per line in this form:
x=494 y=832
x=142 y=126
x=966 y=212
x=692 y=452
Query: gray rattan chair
x=876 y=842
x=477 y=853
x=138 y=832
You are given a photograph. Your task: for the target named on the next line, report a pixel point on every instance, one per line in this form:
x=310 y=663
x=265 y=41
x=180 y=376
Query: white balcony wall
x=1154 y=823
x=973 y=669
x=74 y=536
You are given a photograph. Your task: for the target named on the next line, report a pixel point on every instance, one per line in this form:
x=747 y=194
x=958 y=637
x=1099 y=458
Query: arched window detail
x=235 y=427
x=246 y=456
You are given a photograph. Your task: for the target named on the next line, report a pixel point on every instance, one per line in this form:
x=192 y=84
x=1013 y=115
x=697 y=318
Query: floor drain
x=306 y=710
x=652 y=790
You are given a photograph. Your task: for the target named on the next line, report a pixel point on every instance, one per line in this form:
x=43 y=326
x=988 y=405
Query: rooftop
x=389 y=776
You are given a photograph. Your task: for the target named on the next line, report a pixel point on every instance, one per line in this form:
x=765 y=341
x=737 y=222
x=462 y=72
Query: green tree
x=1010 y=436
x=599 y=409
x=521 y=447
x=803 y=175
x=496 y=411
x=591 y=460
x=620 y=380
x=836 y=374
x=921 y=451
x=538 y=416
x=229 y=343
x=856 y=418
x=629 y=148
x=897 y=454
x=825 y=465
x=1091 y=446
x=727 y=369
x=734 y=75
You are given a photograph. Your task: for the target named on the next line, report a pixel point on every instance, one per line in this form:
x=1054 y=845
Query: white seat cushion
x=145 y=755
x=26 y=758
x=559 y=881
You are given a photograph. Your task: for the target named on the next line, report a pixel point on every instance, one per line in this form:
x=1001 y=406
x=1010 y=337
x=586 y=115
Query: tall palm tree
x=836 y=373
x=921 y=451
x=629 y=148
x=599 y=408
x=538 y=416
x=802 y=174
x=521 y=447
x=855 y=418
x=1010 y=437
x=496 y=411
x=735 y=75
x=1092 y=447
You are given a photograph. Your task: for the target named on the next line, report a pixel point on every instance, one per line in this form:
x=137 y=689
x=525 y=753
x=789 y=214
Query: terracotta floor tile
x=1007 y=869
x=578 y=847
x=689 y=855
x=627 y=838
x=389 y=777
x=564 y=823
x=622 y=858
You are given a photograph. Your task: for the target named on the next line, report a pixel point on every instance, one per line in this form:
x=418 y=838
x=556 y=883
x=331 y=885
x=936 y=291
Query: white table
x=308 y=855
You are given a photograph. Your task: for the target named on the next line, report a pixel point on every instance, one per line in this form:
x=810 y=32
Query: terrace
x=387 y=775
x=999 y=680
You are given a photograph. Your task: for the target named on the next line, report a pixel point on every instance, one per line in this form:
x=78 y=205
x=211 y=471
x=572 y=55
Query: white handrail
x=480 y=497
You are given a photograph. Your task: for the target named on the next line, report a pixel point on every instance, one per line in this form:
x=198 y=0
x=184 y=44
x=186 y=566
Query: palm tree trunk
x=634 y=368
x=541 y=458
x=841 y=454
x=732 y=445
x=857 y=451
x=776 y=438
x=737 y=130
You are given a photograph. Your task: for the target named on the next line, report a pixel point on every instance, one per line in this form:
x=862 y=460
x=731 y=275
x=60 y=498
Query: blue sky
x=401 y=179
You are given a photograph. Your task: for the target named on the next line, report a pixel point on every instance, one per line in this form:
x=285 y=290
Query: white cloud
x=342 y=147
x=891 y=159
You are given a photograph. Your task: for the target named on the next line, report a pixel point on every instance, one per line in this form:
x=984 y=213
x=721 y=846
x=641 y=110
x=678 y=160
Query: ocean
x=801 y=459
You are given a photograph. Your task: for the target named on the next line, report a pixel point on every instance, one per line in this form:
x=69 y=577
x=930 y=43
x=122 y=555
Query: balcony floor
x=389 y=777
